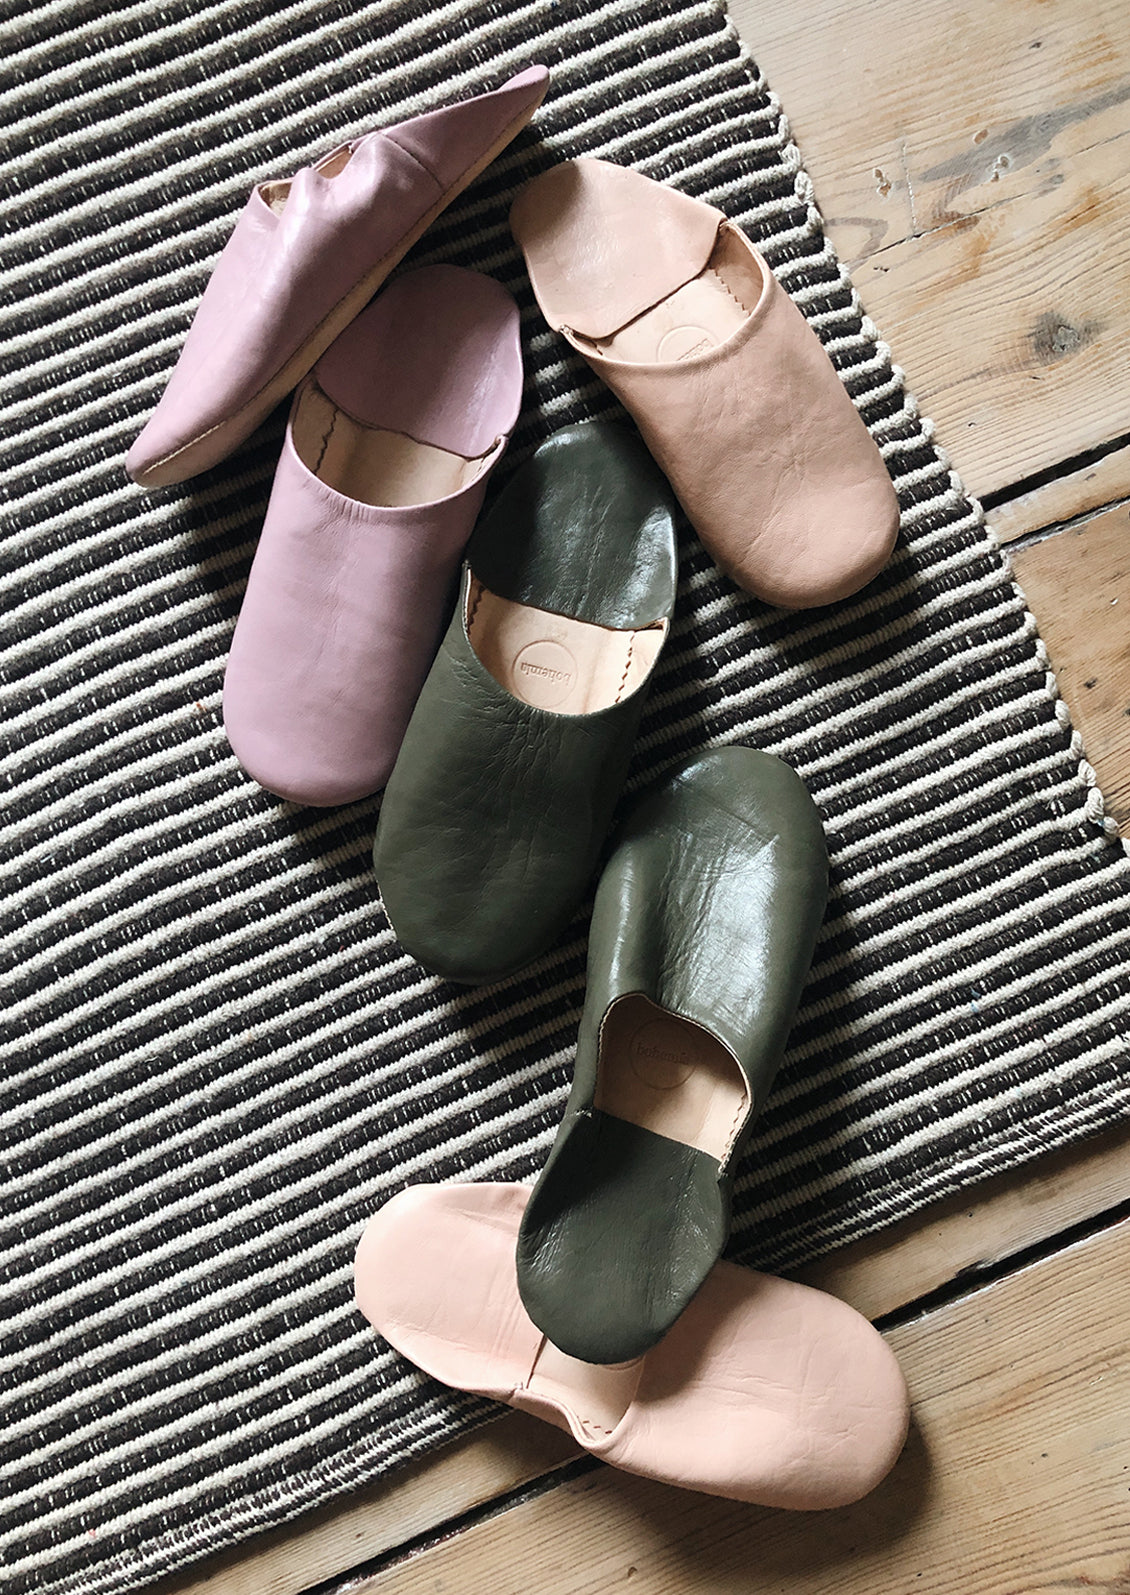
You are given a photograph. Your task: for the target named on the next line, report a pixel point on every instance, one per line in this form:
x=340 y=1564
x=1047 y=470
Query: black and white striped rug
x=218 y=1061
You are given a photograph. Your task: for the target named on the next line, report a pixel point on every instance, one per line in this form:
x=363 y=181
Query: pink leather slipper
x=764 y=1391
x=676 y=311
x=390 y=443
x=306 y=255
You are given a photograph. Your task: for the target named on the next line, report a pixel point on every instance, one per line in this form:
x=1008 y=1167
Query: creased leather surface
x=281 y=273
x=765 y=1391
x=437 y=356
x=584 y=529
x=622 y=1228
x=709 y=905
x=604 y=259
x=277 y=277
x=496 y=810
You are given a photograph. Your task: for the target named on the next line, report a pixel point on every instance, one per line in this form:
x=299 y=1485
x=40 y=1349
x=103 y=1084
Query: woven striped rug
x=219 y=1063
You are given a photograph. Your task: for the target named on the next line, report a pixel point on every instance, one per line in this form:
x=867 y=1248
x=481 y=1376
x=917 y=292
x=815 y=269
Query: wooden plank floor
x=973 y=166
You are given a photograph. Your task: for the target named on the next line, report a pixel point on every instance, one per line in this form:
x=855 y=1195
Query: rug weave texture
x=218 y=1061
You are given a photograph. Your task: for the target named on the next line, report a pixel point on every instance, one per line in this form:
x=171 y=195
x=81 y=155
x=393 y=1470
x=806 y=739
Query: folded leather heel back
x=306 y=255
x=391 y=440
x=514 y=757
x=703 y=930
x=764 y=1391
x=732 y=391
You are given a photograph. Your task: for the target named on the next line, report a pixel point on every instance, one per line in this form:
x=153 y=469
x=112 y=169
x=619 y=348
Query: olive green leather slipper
x=703 y=931
x=504 y=786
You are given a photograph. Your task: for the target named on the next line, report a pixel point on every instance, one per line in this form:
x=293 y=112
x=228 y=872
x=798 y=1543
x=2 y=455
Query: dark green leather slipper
x=505 y=783
x=703 y=931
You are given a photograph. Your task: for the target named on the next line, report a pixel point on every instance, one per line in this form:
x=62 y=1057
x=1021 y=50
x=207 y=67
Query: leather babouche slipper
x=703 y=930
x=504 y=787
x=390 y=443
x=676 y=311
x=764 y=1391
x=306 y=255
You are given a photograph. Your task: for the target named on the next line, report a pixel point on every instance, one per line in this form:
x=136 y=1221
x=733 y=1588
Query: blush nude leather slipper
x=391 y=440
x=765 y=1391
x=516 y=752
x=702 y=932
x=306 y=256
x=676 y=311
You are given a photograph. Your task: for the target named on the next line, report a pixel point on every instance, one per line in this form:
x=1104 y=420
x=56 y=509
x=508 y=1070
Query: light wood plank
x=972 y=164
x=416 y=1500
x=982 y=1227
x=1078 y=586
x=1104 y=485
x=1015 y=1477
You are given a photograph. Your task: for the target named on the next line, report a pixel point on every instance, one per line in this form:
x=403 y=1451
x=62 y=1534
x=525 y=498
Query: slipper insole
x=371 y=464
x=669 y=1076
x=275 y=195
x=554 y=661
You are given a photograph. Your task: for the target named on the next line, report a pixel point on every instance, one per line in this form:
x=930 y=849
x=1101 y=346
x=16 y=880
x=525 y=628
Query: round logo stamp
x=545 y=673
x=657 y=1058
x=683 y=343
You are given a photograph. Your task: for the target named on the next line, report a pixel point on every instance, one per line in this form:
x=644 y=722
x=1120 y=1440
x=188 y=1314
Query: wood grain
x=1078 y=587
x=1104 y=485
x=972 y=165
x=1014 y=1479
x=982 y=1227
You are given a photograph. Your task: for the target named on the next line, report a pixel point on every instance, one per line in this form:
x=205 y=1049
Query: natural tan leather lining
x=670 y=1076
x=277 y=194
x=371 y=465
x=695 y=317
x=553 y=661
x=596 y=1397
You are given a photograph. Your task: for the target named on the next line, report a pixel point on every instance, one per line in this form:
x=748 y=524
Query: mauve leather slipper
x=676 y=311
x=765 y=1391
x=390 y=443
x=306 y=255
